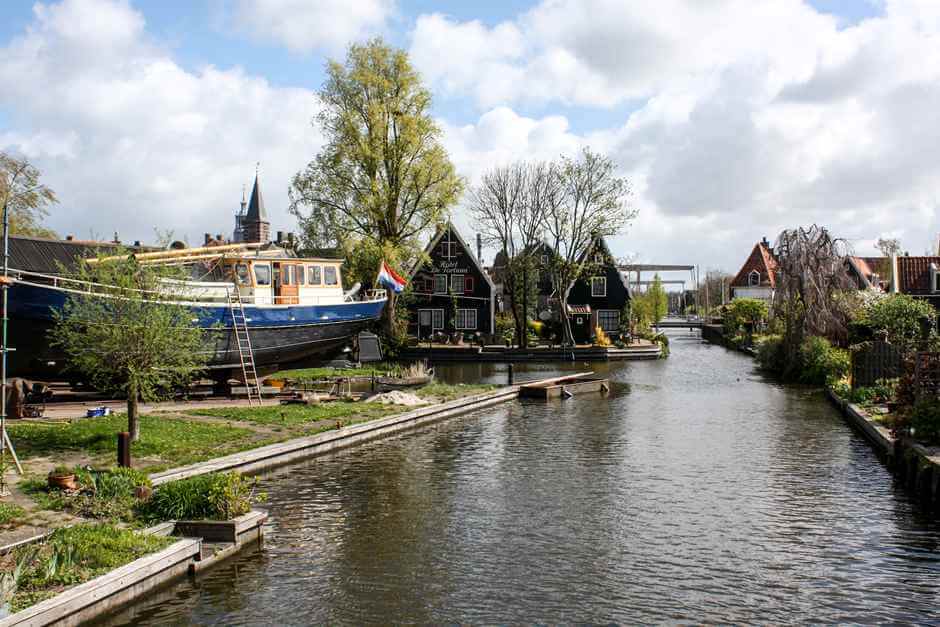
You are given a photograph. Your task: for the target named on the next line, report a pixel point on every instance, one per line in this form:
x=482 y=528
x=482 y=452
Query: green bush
x=743 y=311
x=770 y=354
x=220 y=496
x=898 y=317
x=883 y=391
x=822 y=363
x=925 y=421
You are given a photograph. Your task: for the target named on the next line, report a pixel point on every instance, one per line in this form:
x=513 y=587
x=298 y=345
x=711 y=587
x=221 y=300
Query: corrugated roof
x=53 y=256
x=761 y=260
x=914 y=274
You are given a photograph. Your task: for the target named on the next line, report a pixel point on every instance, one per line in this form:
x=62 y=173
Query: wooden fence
x=880 y=360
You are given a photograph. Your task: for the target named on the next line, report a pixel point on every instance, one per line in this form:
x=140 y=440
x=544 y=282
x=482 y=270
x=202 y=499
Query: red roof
x=762 y=260
x=868 y=267
x=914 y=274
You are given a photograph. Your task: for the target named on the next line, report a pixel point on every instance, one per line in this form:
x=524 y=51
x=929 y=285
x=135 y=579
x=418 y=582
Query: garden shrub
x=770 y=353
x=218 y=496
x=925 y=421
x=822 y=363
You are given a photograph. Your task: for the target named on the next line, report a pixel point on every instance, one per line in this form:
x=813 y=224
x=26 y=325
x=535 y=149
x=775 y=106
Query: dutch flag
x=391 y=279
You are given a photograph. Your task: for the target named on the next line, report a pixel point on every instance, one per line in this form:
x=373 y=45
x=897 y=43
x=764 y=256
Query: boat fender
x=352 y=291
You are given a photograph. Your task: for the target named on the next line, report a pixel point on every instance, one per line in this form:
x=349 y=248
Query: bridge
x=680 y=322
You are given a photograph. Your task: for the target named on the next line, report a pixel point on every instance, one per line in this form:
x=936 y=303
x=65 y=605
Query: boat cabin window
x=300 y=275
x=241 y=274
x=263 y=274
x=313 y=275
x=288 y=275
x=329 y=275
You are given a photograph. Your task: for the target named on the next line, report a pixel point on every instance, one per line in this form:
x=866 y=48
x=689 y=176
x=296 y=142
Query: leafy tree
x=128 y=336
x=26 y=198
x=590 y=202
x=889 y=246
x=743 y=311
x=382 y=178
x=658 y=300
x=899 y=318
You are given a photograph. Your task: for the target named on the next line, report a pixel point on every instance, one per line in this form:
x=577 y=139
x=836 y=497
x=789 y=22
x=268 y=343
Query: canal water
x=698 y=491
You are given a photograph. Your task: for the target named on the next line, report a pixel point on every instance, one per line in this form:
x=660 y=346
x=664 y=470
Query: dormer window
x=753 y=279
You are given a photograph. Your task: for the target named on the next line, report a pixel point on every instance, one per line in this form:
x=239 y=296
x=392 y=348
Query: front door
x=285 y=289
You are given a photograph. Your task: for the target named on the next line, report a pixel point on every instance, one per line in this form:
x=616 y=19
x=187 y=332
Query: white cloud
x=749 y=117
x=307 y=25
x=130 y=140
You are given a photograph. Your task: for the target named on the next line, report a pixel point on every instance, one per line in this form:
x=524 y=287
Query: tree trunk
x=389 y=314
x=133 y=425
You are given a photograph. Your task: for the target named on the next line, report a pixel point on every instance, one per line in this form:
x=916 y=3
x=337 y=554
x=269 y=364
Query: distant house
x=918 y=277
x=452 y=292
x=870 y=273
x=541 y=255
x=757 y=278
x=598 y=298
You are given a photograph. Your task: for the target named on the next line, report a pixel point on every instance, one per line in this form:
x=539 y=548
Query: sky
x=731 y=119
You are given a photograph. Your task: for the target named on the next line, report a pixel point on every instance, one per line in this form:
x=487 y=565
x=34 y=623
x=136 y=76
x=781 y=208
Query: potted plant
x=62 y=478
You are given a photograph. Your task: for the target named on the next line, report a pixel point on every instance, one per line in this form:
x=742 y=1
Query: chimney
x=280 y=236
x=290 y=239
x=218 y=238
x=894 y=274
x=117 y=240
x=69 y=238
x=479 y=248
x=206 y=238
x=136 y=243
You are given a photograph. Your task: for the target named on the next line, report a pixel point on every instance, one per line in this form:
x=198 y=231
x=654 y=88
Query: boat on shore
x=293 y=308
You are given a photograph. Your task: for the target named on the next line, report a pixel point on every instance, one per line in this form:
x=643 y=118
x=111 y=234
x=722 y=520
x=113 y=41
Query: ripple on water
x=698 y=492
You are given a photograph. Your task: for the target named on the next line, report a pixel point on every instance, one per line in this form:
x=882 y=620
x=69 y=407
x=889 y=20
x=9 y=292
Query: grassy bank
x=295 y=418
x=72 y=556
x=313 y=374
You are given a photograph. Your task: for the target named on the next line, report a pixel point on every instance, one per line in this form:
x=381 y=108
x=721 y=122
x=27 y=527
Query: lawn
x=74 y=555
x=299 y=415
x=313 y=374
x=449 y=392
x=163 y=441
x=10 y=513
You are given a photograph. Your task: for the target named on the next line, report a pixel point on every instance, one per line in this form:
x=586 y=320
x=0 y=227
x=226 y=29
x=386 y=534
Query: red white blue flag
x=391 y=279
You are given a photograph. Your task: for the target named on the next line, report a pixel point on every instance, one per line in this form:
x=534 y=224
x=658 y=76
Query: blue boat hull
x=280 y=335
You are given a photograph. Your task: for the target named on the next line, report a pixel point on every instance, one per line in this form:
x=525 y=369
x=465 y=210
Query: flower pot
x=62 y=482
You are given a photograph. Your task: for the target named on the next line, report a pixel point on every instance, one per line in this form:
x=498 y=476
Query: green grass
x=75 y=555
x=309 y=374
x=174 y=441
x=106 y=495
x=299 y=415
x=448 y=391
x=11 y=513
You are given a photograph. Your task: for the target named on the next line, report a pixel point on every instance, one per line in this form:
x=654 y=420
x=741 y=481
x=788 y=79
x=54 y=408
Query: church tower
x=254 y=223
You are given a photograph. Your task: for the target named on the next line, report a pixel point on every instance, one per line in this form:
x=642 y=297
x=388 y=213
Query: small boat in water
x=294 y=309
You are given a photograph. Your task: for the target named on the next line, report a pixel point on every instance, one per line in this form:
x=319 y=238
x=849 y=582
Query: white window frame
x=437 y=319
x=430 y=317
x=326 y=275
x=448 y=249
x=463 y=318
x=594 y=280
x=616 y=315
x=750 y=279
x=314 y=272
x=456 y=283
x=437 y=278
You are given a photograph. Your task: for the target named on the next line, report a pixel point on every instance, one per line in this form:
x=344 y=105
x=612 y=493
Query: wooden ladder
x=245 y=354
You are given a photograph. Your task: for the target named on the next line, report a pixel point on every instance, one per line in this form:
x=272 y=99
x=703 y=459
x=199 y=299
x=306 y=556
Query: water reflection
x=696 y=491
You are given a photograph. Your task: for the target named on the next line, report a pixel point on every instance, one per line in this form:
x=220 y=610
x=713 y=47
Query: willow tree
x=128 y=336
x=590 y=202
x=811 y=280
x=24 y=196
x=382 y=177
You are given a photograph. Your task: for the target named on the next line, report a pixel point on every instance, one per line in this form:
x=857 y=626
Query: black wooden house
x=451 y=291
x=599 y=296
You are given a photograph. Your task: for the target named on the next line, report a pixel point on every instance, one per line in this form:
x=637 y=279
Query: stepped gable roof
x=256 y=211
x=914 y=274
x=763 y=261
x=55 y=256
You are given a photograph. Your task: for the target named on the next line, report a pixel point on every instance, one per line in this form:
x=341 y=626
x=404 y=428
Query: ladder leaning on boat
x=243 y=341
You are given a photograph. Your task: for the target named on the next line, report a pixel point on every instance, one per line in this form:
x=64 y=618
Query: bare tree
x=811 y=277
x=589 y=202
x=508 y=207
x=888 y=246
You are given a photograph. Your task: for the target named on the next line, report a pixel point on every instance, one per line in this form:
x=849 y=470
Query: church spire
x=255 y=223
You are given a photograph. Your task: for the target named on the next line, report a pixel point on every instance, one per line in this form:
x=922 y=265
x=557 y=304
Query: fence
x=927 y=375
x=880 y=360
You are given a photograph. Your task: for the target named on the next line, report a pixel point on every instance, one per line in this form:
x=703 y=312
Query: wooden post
x=124 y=449
x=510 y=374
